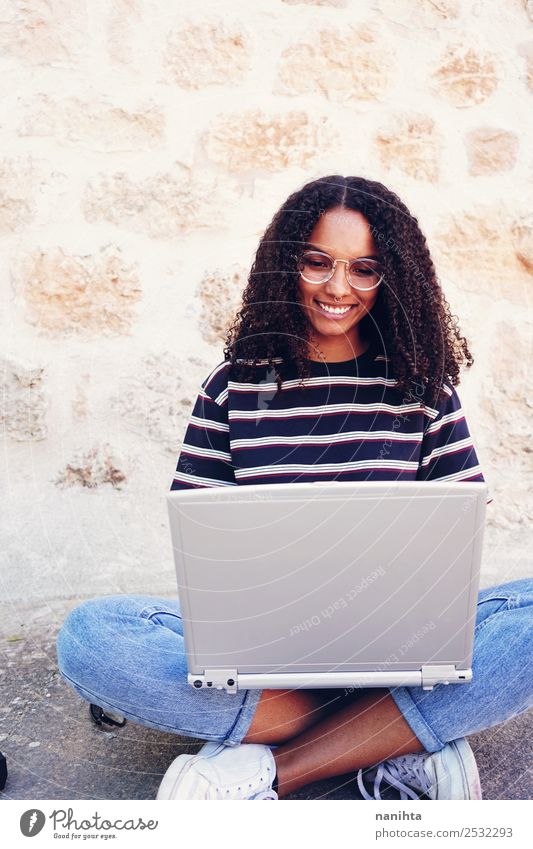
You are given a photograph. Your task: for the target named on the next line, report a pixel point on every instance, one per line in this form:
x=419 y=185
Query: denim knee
x=127 y=654
x=521 y=588
x=69 y=636
x=90 y=630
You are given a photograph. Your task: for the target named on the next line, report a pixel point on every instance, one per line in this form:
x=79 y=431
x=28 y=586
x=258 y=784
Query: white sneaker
x=450 y=773
x=221 y=772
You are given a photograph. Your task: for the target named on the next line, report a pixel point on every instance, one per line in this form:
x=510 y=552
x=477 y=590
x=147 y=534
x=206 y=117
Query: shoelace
x=407 y=767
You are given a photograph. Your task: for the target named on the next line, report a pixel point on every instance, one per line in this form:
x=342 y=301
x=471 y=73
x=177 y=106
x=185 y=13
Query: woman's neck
x=336 y=355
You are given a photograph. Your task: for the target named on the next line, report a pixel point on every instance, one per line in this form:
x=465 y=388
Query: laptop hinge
x=437 y=674
x=215 y=679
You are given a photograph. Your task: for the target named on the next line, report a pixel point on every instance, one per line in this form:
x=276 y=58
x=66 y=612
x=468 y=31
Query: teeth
x=335 y=310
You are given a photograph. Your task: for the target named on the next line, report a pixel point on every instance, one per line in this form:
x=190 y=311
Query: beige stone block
x=409 y=142
x=345 y=65
x=522 y=237
x=207 y=52
x=253 y=139
x=476 y=250
x=97 y=125
x=466 y=76
x=24 y=400
x=491 y=150
x=505 y=410
x=80 y=401
x=510 y=364
x=44 y=32
x=512 y=508
x=423 y=13
x=220 y=295
x=340 y=4
x=126 y=32
x=162 y=205
x=92 y=467
x=87 y=295
x=526 y=50
x=19 y=180
x=157 y=396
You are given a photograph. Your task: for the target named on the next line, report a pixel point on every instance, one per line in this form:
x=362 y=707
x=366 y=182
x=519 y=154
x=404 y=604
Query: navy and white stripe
x=348 y=422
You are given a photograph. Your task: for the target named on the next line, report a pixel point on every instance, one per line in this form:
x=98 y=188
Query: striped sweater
x=349 y=423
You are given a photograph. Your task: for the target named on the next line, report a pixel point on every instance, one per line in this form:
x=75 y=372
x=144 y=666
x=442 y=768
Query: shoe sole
x=456 y=768
x=179 y=768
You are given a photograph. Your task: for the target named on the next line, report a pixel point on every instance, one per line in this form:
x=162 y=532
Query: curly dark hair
x=410 y=321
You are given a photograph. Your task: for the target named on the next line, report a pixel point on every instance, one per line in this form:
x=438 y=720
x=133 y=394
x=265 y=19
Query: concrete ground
x=55 y=751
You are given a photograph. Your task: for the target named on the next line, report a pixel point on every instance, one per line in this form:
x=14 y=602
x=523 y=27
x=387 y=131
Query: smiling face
x=343 y=234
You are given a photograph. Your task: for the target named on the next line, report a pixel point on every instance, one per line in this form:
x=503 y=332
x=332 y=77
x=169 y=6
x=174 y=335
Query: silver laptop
x=329 y=584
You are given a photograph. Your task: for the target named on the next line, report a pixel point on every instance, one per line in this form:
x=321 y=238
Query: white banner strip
x=198 y=823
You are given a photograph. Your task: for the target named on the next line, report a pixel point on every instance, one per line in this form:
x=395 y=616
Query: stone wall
x=145 y=147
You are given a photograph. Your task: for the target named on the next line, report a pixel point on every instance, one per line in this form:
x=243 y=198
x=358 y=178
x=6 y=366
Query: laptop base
x=426 y=677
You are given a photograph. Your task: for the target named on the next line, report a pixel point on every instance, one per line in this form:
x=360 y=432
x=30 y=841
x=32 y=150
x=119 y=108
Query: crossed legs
x=126 y=653
x=319 y=734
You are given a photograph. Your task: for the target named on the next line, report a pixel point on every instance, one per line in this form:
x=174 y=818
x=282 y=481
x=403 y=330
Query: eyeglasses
x=318 y=267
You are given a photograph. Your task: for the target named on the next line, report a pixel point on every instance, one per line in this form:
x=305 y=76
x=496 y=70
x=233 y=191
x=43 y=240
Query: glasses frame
x=346 y=262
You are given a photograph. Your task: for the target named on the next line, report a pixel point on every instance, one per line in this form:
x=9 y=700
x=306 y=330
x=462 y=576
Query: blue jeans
x=126 y=653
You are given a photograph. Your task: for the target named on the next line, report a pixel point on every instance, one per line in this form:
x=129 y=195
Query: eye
x=366 y=268
x=316 y=258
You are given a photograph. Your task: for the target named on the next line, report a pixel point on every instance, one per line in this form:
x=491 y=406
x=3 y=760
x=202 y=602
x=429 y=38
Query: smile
x=335 y=310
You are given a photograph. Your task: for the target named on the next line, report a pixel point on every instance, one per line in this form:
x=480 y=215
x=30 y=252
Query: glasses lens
x=365 y=273
x=314 y=266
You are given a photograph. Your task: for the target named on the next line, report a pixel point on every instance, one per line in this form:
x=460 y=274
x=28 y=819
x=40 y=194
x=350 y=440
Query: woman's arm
x=205 y=458
x=447 y=451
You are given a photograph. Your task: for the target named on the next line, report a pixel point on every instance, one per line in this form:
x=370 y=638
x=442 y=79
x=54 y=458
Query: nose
x=338 y=286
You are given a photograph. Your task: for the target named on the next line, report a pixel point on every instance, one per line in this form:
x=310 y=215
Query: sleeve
x=205 y=458
x=447 y=452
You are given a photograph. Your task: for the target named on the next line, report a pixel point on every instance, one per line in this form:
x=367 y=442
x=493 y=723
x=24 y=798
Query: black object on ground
x=3 y=771
x=106 y=721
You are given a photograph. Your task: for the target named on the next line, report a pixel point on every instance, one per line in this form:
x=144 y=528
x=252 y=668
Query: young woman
x=340 y=365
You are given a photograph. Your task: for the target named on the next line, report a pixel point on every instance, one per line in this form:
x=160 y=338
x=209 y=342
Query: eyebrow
x=316 y=248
